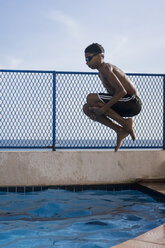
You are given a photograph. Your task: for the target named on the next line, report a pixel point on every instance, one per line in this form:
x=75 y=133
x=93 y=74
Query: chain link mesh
x=74 y=129
x=26 y=111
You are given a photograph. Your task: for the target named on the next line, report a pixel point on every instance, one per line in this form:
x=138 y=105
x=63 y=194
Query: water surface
x=65 y=219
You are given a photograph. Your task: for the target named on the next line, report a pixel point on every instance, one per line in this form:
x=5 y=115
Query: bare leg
x=127 y=124
x=121 y=133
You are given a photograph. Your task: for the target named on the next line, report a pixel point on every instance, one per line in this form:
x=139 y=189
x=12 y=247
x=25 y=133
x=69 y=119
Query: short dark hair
x=94 y=48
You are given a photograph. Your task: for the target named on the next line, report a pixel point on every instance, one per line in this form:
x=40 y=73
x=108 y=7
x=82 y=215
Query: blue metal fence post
x=54 y=110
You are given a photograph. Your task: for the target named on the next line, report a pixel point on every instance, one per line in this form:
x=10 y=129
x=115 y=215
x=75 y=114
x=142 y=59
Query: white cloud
x=13 y=62
x=119 y=42
x=68 y=22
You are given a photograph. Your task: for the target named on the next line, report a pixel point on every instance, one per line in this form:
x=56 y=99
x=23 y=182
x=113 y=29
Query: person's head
x=94 y=55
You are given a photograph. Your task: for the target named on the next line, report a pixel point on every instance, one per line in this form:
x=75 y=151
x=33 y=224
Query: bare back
x=106 y=69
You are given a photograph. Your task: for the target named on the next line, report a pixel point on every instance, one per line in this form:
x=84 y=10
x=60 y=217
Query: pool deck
x=154 y=238
x=158 y=187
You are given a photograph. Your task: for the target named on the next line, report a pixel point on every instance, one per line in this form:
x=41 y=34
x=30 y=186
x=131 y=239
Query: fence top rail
x=27 y=71
x=77 y=72
x=129 y=74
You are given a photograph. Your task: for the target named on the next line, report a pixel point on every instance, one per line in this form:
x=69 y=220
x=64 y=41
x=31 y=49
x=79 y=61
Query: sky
x=52 y=34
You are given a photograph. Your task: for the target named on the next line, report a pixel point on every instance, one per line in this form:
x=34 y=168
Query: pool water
x=86 y=219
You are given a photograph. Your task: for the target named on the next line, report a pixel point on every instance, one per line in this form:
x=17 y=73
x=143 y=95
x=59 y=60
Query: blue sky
x=52 y=34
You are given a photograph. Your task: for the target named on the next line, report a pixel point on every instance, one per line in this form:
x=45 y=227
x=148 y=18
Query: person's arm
x=112 y=80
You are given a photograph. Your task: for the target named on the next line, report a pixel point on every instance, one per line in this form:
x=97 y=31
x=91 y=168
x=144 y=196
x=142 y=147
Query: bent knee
x=90 y=114
x=86 y=109
x=92 y=98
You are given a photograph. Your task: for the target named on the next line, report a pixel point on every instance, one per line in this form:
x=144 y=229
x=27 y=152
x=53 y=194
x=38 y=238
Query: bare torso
x=120 y=75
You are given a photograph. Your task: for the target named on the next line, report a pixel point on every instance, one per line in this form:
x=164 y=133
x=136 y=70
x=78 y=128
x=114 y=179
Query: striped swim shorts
x=128 y=106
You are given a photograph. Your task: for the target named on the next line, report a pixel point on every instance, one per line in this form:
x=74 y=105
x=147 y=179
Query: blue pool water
x=86 y=219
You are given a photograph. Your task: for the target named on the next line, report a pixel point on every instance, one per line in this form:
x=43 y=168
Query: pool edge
x=151 y=239
x=154 y=238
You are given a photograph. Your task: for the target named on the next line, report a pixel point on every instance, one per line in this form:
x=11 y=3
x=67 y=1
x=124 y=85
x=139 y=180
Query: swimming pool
x=83 y=219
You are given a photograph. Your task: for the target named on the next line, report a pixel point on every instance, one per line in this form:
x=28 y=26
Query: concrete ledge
x=154 y=238
x=24 y=168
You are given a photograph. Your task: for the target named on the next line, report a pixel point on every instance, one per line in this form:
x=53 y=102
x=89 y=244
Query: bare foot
x=129 y=128
x=121 y=134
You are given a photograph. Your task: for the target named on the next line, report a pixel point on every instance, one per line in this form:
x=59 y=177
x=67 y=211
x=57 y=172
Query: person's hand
x=98 y=111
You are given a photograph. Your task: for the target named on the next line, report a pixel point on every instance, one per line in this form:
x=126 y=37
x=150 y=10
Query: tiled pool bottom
x=82 y=219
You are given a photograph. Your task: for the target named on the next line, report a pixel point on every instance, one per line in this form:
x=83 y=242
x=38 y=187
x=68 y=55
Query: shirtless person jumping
x=121 y=99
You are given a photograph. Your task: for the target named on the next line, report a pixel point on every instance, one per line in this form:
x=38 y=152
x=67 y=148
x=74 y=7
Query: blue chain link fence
x=43 y=109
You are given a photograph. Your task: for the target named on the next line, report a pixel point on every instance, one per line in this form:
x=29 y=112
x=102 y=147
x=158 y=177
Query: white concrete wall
x=19 y=168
